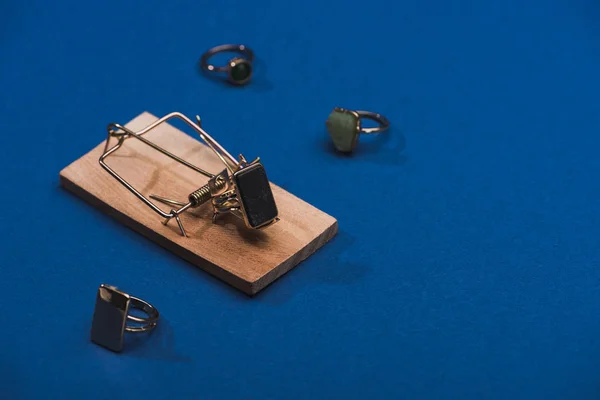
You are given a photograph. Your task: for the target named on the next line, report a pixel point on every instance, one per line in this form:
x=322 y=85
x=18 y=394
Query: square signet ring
x=111 y=315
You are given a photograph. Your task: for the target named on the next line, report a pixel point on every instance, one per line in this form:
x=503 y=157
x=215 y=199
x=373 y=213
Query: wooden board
x=248 y=260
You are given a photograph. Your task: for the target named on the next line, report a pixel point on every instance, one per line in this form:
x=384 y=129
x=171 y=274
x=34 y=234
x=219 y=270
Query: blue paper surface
x=467 y=263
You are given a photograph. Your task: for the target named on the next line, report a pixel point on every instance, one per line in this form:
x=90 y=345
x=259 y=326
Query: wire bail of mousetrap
x=241 y=189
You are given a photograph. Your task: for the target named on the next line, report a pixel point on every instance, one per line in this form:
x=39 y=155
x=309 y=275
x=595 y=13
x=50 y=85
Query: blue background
x=467 y=263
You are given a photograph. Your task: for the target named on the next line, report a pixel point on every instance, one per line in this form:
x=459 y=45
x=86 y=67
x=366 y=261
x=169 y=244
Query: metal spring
x=203 y=194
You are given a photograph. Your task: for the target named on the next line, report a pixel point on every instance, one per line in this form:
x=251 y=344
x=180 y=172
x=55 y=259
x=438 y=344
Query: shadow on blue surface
x=334 y=269
x=158 y=344
x=383 y=148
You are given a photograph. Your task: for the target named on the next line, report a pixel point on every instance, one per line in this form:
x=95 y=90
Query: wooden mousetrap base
x=246 y=259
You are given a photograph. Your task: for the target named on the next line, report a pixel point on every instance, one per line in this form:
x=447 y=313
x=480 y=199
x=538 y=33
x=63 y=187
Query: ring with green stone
x=344 y=127
x=238 y=69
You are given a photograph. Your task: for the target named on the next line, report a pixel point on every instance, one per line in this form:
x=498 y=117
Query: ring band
x=148 y=323
x=383 y=123
x=344 y=127
x=238 y=69
x=112 y=313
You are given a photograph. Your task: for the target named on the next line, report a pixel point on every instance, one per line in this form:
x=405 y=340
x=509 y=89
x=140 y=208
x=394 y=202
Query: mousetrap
x=230 y=220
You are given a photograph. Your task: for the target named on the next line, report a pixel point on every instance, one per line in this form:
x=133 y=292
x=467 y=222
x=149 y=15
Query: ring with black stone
x=238 y=69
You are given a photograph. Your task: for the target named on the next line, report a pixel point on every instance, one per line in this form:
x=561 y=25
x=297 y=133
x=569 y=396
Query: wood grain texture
x=248 y=260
